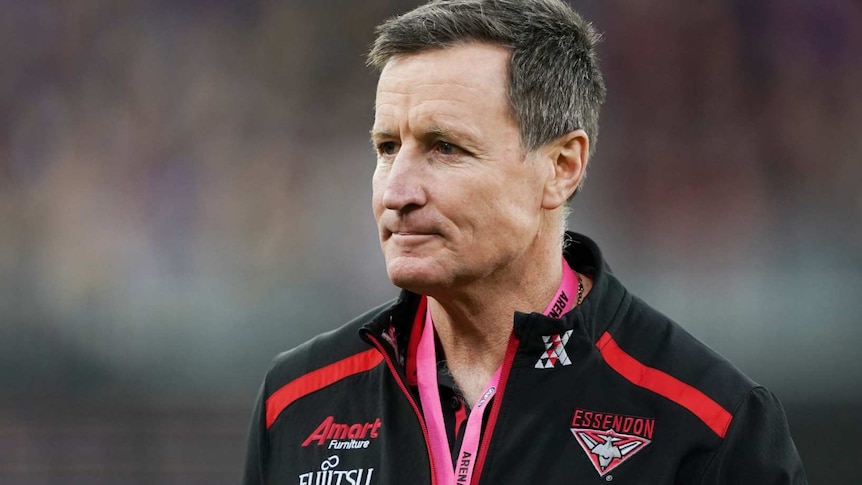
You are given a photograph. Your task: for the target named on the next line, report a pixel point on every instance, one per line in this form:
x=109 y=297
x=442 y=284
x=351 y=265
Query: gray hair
x=555 y=85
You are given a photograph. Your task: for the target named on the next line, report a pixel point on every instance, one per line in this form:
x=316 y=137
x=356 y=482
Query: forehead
x=479 y=56
x=466 y=81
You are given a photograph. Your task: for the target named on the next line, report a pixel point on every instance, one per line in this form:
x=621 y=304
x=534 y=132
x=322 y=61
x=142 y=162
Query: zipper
x=508 y=359
x=410 y=399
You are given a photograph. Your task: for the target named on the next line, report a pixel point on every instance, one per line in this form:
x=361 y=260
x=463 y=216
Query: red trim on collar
x=413 y=343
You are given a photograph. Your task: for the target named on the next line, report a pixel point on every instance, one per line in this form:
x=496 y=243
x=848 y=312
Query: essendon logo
x=343 y=436
x=611 y=439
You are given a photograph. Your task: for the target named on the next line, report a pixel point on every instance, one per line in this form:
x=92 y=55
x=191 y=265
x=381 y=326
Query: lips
x=406 y=227
x=412 y=233
x=411 y=236
x=412 y=230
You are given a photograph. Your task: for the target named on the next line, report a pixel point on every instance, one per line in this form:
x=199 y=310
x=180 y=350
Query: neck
x=474 y=323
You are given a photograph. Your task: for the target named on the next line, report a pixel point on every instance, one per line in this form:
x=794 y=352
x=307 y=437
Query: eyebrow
x=378 y=135
x=434 y=131
x=460 y=136
x=438 y=132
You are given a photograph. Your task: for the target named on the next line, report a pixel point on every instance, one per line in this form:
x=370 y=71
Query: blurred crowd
x=741 y=115
x=184 y=185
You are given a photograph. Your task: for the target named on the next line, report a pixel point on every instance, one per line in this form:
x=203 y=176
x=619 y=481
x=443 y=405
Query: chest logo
x=329 y=474
x=346 y=436
x=555 y=351
x=606 y=447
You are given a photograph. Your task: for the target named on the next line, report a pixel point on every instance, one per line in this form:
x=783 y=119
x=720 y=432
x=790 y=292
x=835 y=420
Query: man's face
x=454 y=198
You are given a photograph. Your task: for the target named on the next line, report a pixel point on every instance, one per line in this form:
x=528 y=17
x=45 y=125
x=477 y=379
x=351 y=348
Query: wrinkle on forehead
x=458 y=95
x=476 y=67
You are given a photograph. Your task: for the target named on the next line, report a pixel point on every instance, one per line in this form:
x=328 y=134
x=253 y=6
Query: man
x=513 y=355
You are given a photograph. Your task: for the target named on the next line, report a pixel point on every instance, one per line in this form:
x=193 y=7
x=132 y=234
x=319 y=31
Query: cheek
x=376 y=202
x=517 y=204
x=377 y=189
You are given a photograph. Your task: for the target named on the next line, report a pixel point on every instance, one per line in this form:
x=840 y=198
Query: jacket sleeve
x=758 y=448
x=256 y=451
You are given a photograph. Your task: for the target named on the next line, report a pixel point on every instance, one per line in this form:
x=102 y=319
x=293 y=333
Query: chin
x=413 y=274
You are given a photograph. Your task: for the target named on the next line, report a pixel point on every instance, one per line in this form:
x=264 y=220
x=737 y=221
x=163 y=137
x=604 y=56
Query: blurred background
x=185 y=192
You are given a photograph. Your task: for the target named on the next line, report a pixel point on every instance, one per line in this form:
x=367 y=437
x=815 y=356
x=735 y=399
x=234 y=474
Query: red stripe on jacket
x=709 y=411
x=318 y=379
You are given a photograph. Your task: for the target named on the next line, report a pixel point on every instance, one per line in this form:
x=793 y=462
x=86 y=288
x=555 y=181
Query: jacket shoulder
x=321 y=351
x=673 y=355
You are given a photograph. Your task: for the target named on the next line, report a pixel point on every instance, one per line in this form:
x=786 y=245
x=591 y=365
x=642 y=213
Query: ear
x=569 y=155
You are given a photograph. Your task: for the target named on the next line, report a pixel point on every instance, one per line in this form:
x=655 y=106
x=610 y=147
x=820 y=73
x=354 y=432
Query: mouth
x=408 y=235
x=409 y=238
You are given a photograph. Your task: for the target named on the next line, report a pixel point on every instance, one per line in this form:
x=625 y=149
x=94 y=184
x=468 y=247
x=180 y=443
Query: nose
x=404 y=188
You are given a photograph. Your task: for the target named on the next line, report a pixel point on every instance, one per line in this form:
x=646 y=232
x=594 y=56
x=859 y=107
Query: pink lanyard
x=429 y=394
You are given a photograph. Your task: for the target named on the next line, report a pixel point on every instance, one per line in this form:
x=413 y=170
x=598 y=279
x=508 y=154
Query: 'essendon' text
x=642 y=427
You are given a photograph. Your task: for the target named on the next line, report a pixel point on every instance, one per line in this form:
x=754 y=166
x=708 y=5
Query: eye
x=446 y=148
x=387 y=148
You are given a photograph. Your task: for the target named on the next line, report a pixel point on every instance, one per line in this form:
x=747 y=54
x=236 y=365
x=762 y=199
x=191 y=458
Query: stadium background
x=184 y=192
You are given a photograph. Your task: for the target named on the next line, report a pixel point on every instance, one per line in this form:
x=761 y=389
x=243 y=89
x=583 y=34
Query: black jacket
x=630 y=397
